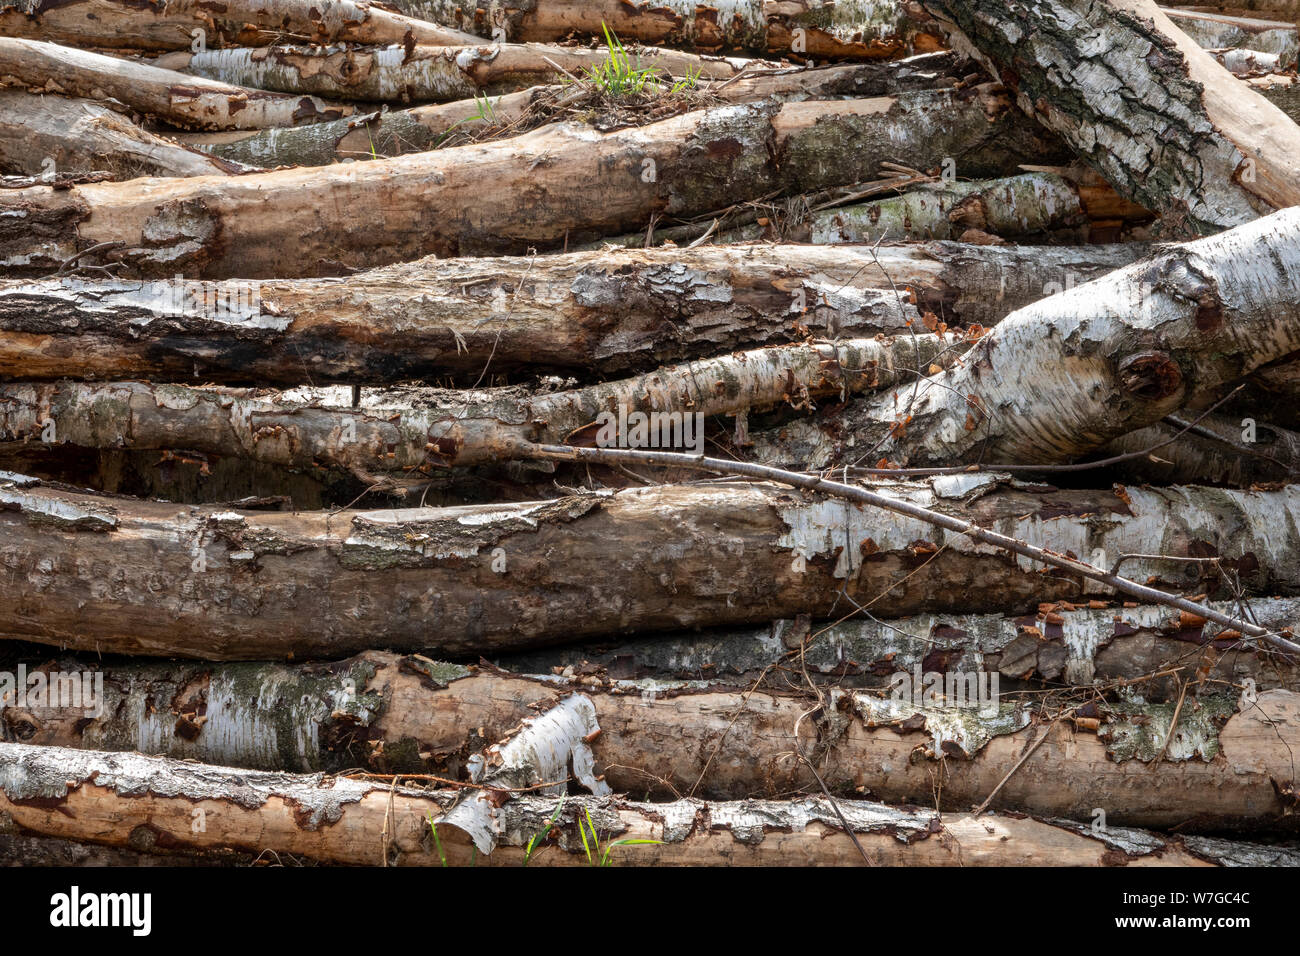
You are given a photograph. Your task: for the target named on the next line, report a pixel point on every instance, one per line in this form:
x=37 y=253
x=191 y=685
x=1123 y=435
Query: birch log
x=608 y=313
x=1184 y=138
x=1108 y=357
x=394 y=714
x=809 y=28
x=143 y=803
x=130 y=25
x=557 y=184
x=66 y=136
x=414 y=74
x=396 y=132
x=1079 y=644
x=1219 y=449
x=1033 y=206
x=458 y=427
x=185 y=101
x=122 y=576
x=1215 y=31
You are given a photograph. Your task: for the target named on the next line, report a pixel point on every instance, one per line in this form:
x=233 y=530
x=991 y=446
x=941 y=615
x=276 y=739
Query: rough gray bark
x=68 y=137
x=184 y=101
x=1184 y=138
x=151 y=578
x=1282 y=91
x=394 y=133
x=608 y=313
x=559 y=184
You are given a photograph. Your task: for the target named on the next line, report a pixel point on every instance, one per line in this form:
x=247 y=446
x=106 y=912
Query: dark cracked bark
x=1140 y=101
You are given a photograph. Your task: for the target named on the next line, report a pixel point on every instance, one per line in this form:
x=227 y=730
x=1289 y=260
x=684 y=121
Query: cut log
x=1183 y=139
x=430 y=127
x=393 y=714
x=606 y=313
x=1028 y=207
x=184 y=101
x=1108 y=357
x=155 y=578
x=415 y=74
x=68 y=137
x=130 y=25
x=457 y=428
x=808 y=28
x=135 y=802
x=1080 y=644
x=1215 y=31
x=536 y=190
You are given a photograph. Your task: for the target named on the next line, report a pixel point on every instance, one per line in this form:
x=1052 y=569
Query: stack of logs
x=327 y=536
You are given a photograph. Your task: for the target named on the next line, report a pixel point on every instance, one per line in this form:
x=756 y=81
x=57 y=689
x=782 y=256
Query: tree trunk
x=557 y=184
x=146 y=804
x=66 y=137
x=1185 y=139
x=807 y=28
x=185 y=101
x=607 y=313
x=1080 y=644
x=414 y=74
x=147 y=578
x=392 y=714
x=420 y=128
x=449 y=428
x=1059 y=378
x=130 y=25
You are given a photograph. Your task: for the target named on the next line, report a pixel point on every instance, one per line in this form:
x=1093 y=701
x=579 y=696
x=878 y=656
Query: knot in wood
x=1150 y=375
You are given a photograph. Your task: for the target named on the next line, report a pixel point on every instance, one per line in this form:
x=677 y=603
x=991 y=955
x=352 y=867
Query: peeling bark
x=1183 y=138
x=74 y=137
x=155 y=578
x=149 y=803
x=395 y=133
x=188 y=102
x=557 y=184
x=170 y=25
x=854 y=30
x=1079 y=644
x=1215 y=31
x=405 y=74
x=393 y=714
x=1222 y=770
x=417 y=427
x=1107 y=357
x=607 y=313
